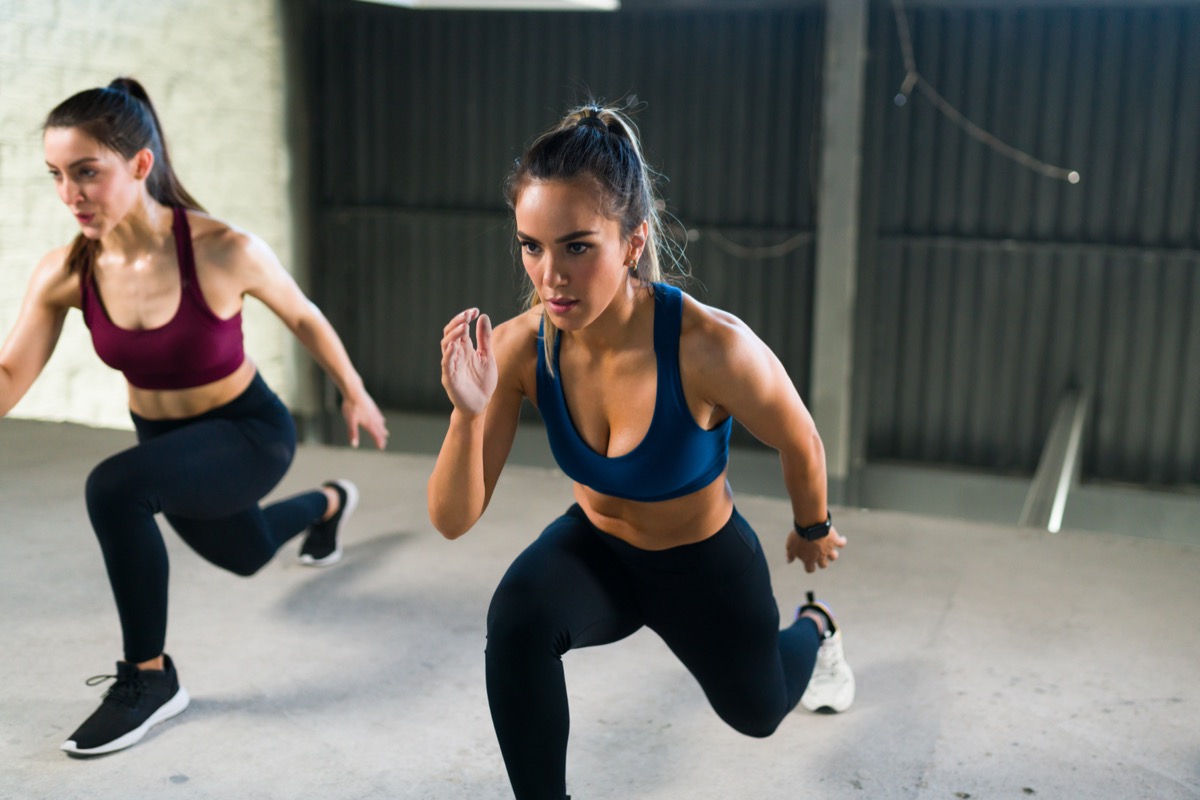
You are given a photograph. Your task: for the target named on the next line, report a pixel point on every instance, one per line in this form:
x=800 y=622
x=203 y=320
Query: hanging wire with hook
x=913 y=79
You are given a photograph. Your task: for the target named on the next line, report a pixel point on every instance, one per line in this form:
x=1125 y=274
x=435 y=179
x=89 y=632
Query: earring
x=632 y=266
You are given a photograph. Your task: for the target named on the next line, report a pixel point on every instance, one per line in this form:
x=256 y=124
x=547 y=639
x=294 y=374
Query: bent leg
x=564 y=591
x=722 y=621
x=207 y=471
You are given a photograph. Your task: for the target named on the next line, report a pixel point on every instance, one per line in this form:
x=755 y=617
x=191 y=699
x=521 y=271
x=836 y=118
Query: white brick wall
x=214 y=69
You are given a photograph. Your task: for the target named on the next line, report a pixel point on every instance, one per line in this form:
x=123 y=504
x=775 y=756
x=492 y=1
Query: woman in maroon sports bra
x=160 y=284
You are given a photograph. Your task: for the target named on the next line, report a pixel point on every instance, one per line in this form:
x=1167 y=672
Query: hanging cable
x=913 y=79
x=723 y=242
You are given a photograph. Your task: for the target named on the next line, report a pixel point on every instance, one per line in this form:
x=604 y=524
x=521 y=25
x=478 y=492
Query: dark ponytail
x=120 y=117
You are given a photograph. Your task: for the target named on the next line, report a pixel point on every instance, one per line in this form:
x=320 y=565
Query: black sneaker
x=139 y=700
x=323 y=545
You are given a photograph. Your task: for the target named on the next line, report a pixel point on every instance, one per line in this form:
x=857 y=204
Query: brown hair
x=120 y=117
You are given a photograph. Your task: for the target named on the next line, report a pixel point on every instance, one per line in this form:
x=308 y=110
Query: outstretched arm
x=749 y=382
x=484 y=384
x=268 y=281
x=39 y=324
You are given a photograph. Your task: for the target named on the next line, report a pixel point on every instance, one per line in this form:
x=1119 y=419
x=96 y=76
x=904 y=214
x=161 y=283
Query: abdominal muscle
x=184 y=403
x=662 y=524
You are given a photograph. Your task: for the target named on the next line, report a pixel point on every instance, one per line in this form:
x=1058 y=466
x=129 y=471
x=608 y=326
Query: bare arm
x=485 y=384
x=267 y=280
x=748 y=381
x=39 y=324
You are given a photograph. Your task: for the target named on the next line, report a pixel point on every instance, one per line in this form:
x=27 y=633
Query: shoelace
x=126 y=691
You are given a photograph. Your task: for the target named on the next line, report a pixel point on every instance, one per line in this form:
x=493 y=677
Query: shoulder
x=712 y=335
x=520 y=332
x=220 y=244
x=52 y=283
x=721 y=359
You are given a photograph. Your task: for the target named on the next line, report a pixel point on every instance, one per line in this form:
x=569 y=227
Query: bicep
x=755 y=388
x=261 y=275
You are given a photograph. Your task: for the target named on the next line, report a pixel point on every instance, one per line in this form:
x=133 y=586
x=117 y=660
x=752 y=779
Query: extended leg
x=564 y=591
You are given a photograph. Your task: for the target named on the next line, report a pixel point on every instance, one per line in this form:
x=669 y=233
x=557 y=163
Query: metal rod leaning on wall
x=1058 y=468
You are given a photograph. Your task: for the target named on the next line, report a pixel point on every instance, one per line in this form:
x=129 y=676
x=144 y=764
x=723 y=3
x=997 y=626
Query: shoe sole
x=171 y=708
x=351 y=503
x=829 y=709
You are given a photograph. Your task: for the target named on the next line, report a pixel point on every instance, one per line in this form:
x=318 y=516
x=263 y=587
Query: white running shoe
x=831 y=687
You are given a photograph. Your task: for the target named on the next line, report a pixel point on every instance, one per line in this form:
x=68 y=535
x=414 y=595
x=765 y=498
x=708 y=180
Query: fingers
x=483 y=335
x=380 y=434
x=459 y=322
x=458 y=330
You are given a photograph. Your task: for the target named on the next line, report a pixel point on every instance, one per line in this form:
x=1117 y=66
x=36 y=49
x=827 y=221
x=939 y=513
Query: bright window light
x=506 y=5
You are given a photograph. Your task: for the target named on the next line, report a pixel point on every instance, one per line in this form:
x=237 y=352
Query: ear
x=142 y=163
x=637 y=241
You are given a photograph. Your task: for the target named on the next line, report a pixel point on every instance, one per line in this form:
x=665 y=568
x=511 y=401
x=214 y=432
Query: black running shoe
x=323 y=545
x=139 y=700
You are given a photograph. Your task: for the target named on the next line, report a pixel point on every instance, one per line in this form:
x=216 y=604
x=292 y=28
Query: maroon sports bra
x=195 y=348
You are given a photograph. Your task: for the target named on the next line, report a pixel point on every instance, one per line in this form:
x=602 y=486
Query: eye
x=578 y=248
x=87 y=172
x=55 y=174
x=530 y=247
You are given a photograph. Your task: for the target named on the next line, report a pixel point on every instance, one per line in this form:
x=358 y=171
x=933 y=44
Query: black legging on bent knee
x=206 y=474
x=576 y=586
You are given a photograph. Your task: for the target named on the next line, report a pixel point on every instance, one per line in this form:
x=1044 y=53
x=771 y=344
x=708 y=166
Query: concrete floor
x=992 y=662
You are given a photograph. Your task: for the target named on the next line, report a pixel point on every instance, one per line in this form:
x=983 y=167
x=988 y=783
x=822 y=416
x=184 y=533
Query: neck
x=615 y=329
x=144 y=229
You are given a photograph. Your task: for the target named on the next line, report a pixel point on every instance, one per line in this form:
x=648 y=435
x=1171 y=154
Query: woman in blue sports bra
x=638 y=385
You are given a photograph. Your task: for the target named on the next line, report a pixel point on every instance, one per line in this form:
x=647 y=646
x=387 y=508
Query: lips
x=561 y=305
x=84 y=219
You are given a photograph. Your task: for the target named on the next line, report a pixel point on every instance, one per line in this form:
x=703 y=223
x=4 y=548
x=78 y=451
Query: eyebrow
x=76 y=162
x=561 y=239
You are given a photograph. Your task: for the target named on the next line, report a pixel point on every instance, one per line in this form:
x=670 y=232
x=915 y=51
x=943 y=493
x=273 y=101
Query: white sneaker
x=831 y=687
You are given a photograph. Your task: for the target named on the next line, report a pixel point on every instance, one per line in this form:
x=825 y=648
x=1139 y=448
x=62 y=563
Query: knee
x=756 y=720
x=108 y=490
x=759 y=728
x=245 y=569
x=518 y=617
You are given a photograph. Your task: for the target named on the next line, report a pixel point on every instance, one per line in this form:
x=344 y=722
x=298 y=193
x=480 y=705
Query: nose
x=552 y=275
x=68 y=191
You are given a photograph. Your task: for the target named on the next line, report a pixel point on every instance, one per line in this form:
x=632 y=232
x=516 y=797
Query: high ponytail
x=120 y=117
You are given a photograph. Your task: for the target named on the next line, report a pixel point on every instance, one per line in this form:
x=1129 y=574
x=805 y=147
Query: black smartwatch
x=814 y=532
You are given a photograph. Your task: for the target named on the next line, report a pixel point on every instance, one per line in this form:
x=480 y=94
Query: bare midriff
x=662 y=524
x=184 y=403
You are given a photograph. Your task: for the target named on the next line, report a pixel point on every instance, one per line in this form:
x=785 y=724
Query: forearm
x=322 y=342
x=805 y=479
x=457 y=491
x=8 y=391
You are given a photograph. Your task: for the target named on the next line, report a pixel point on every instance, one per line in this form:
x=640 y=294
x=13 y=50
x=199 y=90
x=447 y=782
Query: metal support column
x=838 y=233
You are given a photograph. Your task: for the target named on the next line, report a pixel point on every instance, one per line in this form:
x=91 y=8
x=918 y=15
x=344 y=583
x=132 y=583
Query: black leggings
x=206 y=474
x=577 y=586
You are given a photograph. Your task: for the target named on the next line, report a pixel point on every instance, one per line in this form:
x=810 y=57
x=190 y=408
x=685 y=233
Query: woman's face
x=574 y=254
x=97 y=184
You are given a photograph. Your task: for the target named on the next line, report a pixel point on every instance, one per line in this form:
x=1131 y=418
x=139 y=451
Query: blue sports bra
x=675 y=458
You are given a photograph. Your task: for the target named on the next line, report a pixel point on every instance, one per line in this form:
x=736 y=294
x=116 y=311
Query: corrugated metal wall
x=416 y=117
x=989 y=289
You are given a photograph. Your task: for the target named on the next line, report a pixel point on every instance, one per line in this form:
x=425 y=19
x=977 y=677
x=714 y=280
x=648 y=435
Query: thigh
x=722 y=621
x=566 y=590
x=209 y=469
